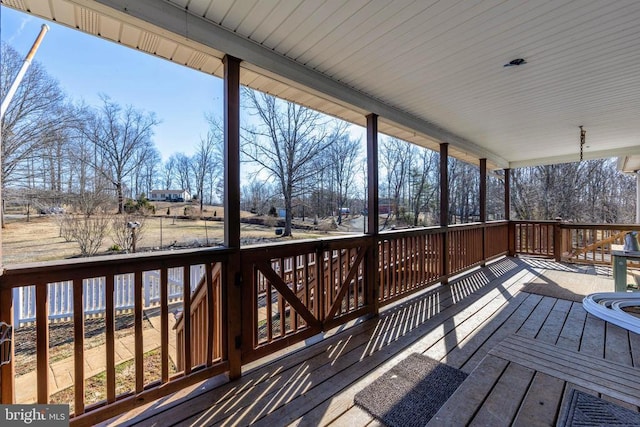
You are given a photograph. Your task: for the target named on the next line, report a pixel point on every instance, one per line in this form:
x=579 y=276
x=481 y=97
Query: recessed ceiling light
x=516 y=62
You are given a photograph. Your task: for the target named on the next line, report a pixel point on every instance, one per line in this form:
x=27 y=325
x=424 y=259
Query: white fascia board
x=180 y=22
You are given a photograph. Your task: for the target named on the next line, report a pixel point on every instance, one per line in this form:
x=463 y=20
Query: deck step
x=604 y=376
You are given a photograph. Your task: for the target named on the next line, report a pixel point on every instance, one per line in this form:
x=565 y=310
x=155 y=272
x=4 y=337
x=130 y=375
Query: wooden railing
x=200 y=322
x=466 y=247
x=591 y=243
x=117 y=391
x=293 y=296
x=496 y=239
x=289 y=292
x=408 y=261
x=569 y=242
x=534 y=237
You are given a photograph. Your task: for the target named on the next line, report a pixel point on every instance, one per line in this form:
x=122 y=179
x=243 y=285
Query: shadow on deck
x=458 y=324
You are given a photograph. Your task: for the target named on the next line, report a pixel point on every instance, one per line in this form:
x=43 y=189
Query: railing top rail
x=635 y=227
x=301 y=247
x=69 y=269
x=565 y=224
x=411 y=230
x=466 y=225
x=497 y=222
x=528 y=221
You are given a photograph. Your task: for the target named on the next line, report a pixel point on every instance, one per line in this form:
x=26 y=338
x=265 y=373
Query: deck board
x=502 y=404
x=617 y=345
x=593 y=336
x=571 y=333
x=463 y=324
x=552 y=327
x=511 y=326
x=541 y=404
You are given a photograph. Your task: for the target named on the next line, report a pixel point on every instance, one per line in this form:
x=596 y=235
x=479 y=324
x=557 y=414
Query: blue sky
x=86 y=66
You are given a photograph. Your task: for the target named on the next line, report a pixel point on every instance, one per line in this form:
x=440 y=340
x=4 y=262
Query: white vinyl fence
x=61 y=295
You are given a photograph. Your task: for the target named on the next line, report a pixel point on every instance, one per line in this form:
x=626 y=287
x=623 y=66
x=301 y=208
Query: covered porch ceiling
x=432 y=70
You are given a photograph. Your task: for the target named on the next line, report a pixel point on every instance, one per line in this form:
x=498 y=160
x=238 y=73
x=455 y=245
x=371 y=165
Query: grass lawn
x=39 y=238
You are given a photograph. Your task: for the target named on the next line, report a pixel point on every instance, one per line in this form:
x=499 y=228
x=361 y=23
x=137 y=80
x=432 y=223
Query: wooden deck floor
x=464 y=325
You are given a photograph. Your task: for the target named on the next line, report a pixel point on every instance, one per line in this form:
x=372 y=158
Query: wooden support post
x=511 y=249
x=483 y=190
x=232 y=275
x=373 y=214
x=444 y=208
x=483 y=207
x=507 y=194
x=557 y=240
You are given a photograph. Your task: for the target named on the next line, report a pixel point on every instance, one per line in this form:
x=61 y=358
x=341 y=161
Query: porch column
x=483 y=206
x=507 y=194
x=511 y=234
x=444 y=208
x=373 y=211
x=233 y=290
x=483 y=190
x=637 y=199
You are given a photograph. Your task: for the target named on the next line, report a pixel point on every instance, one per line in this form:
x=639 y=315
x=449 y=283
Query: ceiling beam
x=569 y=158
x=180 y=22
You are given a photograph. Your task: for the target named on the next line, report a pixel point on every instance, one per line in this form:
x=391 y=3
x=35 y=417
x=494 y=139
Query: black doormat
x=411 y=392
x=583 y=409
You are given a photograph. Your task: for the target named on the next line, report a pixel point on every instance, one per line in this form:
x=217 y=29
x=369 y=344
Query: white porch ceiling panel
x=433 y=70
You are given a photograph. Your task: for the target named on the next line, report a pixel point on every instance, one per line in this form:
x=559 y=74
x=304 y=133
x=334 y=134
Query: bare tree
x=395 y=159
x=589 y=191
x=144 y=177
x=122 y=138
x=206 y=162
x=284 y=142
x=464 y=191
x=183 y=171
x=36 y=118
x=343 y=154
x=424 y=181
x=167 y=172
x=257 y=197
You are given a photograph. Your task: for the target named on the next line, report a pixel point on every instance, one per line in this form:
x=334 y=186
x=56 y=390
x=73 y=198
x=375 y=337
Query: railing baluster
x=281 y=301
x=137 y=325
x=269 y=311
x=42 y=342
x=78 y=346
x=294 y=316
x=7 y=372
x=110 y=337
x=209 y=325
x=186 y=317
x=307 y=290
x=164 y=325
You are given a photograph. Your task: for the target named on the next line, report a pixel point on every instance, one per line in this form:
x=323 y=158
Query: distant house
x=170 y=196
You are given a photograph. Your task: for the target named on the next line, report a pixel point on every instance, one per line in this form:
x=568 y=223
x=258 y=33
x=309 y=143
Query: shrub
x=128 y=231
x=89 y=232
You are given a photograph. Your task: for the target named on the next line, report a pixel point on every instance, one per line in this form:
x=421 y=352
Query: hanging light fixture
x=583 y=139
